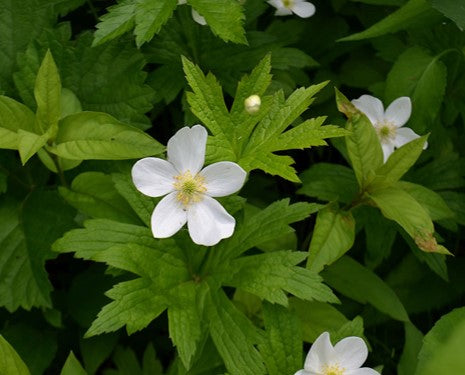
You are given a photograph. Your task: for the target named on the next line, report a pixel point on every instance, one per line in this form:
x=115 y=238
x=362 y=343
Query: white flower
x=195 y=15
x=345 y=358
x=388 y=124
x=302 y=8
x=189 y=188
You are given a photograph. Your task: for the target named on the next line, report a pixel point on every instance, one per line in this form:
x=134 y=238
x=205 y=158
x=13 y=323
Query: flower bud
x=252 y=104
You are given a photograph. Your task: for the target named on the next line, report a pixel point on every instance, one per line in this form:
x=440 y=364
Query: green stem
x=92 y=9
x=60 y=171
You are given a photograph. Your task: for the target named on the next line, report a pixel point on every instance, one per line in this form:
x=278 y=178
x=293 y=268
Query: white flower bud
x=252 y=104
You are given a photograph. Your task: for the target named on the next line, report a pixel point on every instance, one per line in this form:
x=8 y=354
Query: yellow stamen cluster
x=190 y=188
x=333 y=370
x=386 y=131
x=288 y=3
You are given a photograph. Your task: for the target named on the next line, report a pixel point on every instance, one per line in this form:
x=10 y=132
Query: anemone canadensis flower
x=302 y=8
x=345 y=358
x=388 y=124
x=189 y=189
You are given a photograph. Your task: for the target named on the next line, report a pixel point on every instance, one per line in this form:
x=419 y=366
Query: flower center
x=190 y=188
x=333 y=370
x=288 y=3
x=386 y=131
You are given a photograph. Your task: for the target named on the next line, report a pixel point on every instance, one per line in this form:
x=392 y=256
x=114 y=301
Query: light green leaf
x=362 y=285
x=412 y=13
x=70 y=103
x=267 y=225
x=185 y=319
x=363 y=145
x=316 y=318
x=118 y=20
x=13 y=117
x=452 y=9
x=401 y=160
x=151 y=15
x=329 y=182
x=430 y=200
x=270 y=275
x=282 y=350
x=72 y=366
x=10 y=362
x=423 y=78
x=442 y=346
x=94 y=135
x=333 y=236
x=234 y=336
x=47 y=92
x=94 y=194
x=225 y=17
x=398 y=205
x=30 y=143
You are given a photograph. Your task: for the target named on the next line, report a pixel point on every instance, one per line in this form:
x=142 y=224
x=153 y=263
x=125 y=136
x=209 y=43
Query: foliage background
x=405 y=302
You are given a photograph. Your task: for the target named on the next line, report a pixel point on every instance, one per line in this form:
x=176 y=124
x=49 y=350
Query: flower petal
x=208 y=222
x=351 y=352
x=186 y=149
x=399 y=111
x=304 y=9
x=153 y=177
x=321 y=353
x=362 y=371
x=168 y=217
x=372 y=107
x=198 y=18
x=283 y=12
x=388 y=149
x=223 y=178
x=404 y=135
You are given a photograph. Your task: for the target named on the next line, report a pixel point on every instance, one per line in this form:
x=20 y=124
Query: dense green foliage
x=328 y=237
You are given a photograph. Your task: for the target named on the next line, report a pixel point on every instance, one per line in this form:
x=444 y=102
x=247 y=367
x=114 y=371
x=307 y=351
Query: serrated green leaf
x=22 y=21
x=94 y=135
x=185 y=319
x=442 y=346
x=270 y=275
x=413 y=12
x=47 y=92
x=400 y=161
x=142 y=205
x=118 y=20
x=72 y=366
x=333 y=236
x=13 y=117
x=423 y=78
x=266 y=225
x=26 y=237
x=329 y=182
x=234 y=336
x=282 y=350
x=398 y=205
x=94 y=194
x=362 y=285
x=351 y=328
x=151 y=15
x=10 y=362
x=225 y=18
